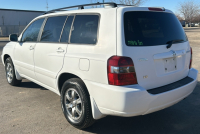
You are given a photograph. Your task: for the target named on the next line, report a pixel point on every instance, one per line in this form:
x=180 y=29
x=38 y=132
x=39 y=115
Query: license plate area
x=170 y=64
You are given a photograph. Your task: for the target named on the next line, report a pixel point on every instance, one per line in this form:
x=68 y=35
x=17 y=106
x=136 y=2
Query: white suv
x=117 y=60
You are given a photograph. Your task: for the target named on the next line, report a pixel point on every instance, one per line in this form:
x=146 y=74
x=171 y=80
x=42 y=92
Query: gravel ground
x=31 y=108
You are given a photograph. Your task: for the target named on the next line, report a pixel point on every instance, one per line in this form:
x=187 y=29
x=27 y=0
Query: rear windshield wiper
x=173 y=41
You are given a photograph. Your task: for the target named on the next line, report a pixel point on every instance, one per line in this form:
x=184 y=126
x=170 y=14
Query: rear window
x=152 y=28
x=52 y=29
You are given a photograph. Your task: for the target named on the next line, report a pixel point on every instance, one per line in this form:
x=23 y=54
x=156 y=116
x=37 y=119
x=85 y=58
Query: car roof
x=97 y=10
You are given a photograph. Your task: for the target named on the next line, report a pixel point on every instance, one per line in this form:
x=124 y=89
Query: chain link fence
x=6 y=30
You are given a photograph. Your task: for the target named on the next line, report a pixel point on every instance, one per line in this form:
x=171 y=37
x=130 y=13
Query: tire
x=75 y=103
x=10 y=73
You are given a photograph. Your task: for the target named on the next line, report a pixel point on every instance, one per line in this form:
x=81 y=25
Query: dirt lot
x=33 y=109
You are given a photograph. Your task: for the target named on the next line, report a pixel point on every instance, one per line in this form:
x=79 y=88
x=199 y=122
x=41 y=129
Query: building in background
x=14 y=21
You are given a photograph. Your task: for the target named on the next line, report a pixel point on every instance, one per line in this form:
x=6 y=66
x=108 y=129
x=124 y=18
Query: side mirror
x=13 y=37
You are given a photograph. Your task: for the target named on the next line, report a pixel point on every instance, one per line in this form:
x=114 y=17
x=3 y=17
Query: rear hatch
x=145 y=36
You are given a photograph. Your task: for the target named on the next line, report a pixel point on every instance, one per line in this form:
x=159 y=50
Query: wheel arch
x=64 y=77
x=18 y=77
x=5 y=57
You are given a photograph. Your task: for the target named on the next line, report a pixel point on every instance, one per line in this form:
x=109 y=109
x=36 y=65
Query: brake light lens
x=190 y=58
x=121 y=71
x=156 y=9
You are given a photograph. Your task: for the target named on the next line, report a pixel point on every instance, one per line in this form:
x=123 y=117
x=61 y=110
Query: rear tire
x=75 y=103
x=10 y=73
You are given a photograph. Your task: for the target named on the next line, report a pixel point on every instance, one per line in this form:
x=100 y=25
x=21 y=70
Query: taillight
x=190 y=58
x=156 y=9
x=121 y=71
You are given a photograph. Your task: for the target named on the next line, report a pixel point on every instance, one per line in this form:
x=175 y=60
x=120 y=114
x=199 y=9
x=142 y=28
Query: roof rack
x=82 y=6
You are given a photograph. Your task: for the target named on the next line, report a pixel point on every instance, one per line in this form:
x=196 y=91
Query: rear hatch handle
x=169 y=54
x=173 y=41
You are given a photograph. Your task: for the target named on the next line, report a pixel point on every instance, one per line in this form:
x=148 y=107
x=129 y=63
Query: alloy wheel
x=73 y=104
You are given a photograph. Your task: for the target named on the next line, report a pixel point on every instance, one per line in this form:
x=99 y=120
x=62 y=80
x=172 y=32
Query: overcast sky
x=41 y=4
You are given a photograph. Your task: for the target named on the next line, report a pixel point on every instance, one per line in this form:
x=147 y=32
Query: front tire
x=75 y=103
x=10 y=73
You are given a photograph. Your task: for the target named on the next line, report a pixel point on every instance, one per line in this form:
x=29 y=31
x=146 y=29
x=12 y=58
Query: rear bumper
x=134 y=100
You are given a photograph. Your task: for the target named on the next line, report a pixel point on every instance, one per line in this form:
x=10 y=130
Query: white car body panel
x=8 y=50
x=48 y=59
x=96 y=55
x=23 y=58
x=151 y=67
x=134 y=100
x=44 y=66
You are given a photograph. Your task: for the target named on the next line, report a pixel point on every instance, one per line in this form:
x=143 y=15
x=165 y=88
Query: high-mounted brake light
x=156 y=9
x=121 y=71
x=190 y=58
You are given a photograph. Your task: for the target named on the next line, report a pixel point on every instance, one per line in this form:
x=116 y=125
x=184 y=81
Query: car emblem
x=143 y=59
x=174 y=53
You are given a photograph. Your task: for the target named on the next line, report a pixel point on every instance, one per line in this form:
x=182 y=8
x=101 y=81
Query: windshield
x=143 y=28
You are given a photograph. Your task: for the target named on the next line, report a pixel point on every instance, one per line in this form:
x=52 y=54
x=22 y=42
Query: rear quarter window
x=151 y=28
x=84 y=29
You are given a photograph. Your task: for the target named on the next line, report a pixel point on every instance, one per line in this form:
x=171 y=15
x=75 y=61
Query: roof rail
x=82 y=6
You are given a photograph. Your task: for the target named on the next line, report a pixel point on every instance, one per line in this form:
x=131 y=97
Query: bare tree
x=130 y=2
x=179 y=16
x=126 y=2
x=189 y=9
x=197 y=18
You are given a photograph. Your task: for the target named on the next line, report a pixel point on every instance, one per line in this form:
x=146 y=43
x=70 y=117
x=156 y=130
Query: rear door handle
x=60 y=50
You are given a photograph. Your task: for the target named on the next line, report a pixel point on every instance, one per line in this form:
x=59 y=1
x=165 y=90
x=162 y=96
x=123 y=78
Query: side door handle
x=60 y=50
x=31 y=47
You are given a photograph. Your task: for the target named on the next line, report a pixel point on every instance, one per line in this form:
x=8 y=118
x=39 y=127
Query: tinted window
x=152 y=28
x=66 y=30
x=52 y=29
x=31 y=33
x=84 y=30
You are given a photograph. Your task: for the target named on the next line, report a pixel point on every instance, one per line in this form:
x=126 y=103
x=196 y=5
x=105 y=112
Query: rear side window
x=84 y=30
x=52 y=29
x=152 y=28
x=66 y=30
x=31 y=33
